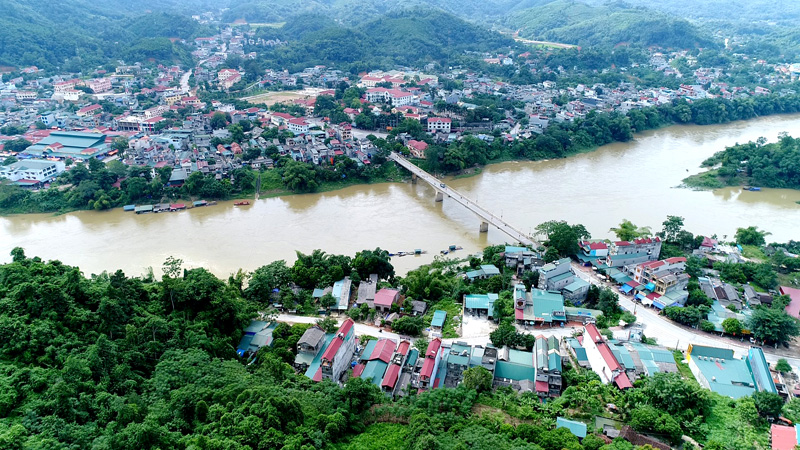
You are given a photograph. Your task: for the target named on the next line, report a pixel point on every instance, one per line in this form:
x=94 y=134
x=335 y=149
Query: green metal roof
x=314 y=366
x=576 y=346
x=731 y=378
x=374 y=371
x=520 y=357
x=438 y=318
x=459 y=354
x=547 y=305
x=412 y=357
x=576 y=285
x=490 y=269
x=576 y=428
x=513 y=249
x=480 y=301
x=517 y=372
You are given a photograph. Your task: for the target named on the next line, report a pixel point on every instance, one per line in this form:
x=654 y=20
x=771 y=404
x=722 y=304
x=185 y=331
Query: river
x=635 y=180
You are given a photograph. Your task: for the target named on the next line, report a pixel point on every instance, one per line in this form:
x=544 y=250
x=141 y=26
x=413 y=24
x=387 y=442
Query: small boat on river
x=241 y=203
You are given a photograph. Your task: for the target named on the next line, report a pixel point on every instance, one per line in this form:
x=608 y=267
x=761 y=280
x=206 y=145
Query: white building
x=439 y=124
x=298 y=126
x=395 y=97
x=337 y=356
x=39 y=170
x=99 y=85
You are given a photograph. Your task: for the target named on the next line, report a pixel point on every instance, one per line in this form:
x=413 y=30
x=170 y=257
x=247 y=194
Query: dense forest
x=88 y=34
x=775 y=165
x=412 y=37
x=608 y=25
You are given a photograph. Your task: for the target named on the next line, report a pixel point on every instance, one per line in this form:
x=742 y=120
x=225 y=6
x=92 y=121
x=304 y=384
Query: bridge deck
x=463 y=200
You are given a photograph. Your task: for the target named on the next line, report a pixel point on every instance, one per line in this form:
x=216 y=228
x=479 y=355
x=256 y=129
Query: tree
x=627 y=231
x=628 y=318
x=421 y=344
x=16 y=145
x=328 y=324
x=773 y=325
x=266 y=279
x=751 y=236
x=768 y=404
x=672 y=228
x=17 y=254
x=732 y=326
x=9 y=160
x=171 y=270
x=327 y=300
x=408 y=325
x=608 y=302
x=368 y=262
x=707 y=326
x=218 y=120
x=783 y=366
x=299 y=177
x=478 y=378
x=563 y=237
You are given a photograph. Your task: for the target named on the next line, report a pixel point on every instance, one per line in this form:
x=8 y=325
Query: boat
x=754 y=189
x=241 y=203
x=177 y=206
x=129 y=208
x=199 y=203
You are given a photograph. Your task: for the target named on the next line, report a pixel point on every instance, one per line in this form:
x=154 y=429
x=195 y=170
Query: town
x=177 y=121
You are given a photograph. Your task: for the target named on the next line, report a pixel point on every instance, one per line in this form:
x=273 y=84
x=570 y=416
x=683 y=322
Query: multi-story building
x=389 y=383
x=630 y=253
x=645 y=272
x=430 y=364
x=602 y=359
x=298 y=125
x=439 y=124
x=556 y=275
x=395 y=97
x=547 y=359
x=31 y=171
x=336 y=359
x=228 y=77
x=99 y=85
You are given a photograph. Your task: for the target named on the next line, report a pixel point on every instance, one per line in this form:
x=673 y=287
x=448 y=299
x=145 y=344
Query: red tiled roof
x=439 y=119
x=793 y=308
x=385 y=297
x=633 y=284
x=430 y=358
x=403 y=347
x=383 y=350
x=598 y=245
x=390 y=377
x=358 y=369
x=318 y=375
x=337 y=341
x=622 y=243
x=675 y=259
x=608 y=356
x=783 y=438
x=591 y=329
x=622 y=381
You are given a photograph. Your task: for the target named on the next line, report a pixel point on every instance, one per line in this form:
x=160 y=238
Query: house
x=480 y=304
x=760 y=369
x=644 y=273
x=515 y=368
x=437 y=323
x=258 y=334
x=308 y=347
x=594 y=249
x=418 y=308
x=783 y=437
x=579 y=429
x=366 y=293
x=522 y=258
x=298 y=125
x=578 y=352
x=602 y=359
x=576 y=291
x=629 y=253
x=389 y=383
x=430 y=364
x=458 y=360
x=793 y=308
x=439 y=125
x=337 y=355
x=31 y=170
x=417 y=148
x=341 y=293
x=556 y=275
x=385 y=299
x=547 y=365
x=89 y=110
x=395 y=97
x=484 y=271
x=375 y=360
x=716 y=369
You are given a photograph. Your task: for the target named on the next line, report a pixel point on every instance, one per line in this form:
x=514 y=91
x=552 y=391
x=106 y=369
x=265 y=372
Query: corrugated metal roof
x=576 y=428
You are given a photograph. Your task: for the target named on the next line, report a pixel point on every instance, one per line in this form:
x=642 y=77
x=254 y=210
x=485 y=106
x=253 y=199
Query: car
x=442 y=185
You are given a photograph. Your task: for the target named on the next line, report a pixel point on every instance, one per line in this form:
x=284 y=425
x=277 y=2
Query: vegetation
x=757 y=163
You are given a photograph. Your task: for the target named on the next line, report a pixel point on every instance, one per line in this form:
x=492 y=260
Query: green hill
x=582 y=24
x=409 y=37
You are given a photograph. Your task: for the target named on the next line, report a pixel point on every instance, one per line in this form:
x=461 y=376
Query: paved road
x=185 y=81
x=671 y=335
x=466 y=202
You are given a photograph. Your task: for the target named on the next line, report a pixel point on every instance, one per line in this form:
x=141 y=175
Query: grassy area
x=789 y=279
x=683 y=369
x=453 y=318
x=476 y=171
x=705 y=180
x=753 y=252
x=730 y=423
x=379 y=436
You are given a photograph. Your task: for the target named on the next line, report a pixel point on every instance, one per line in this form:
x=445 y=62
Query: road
x=464 y=201
x=671 y=335
x=185 y=81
